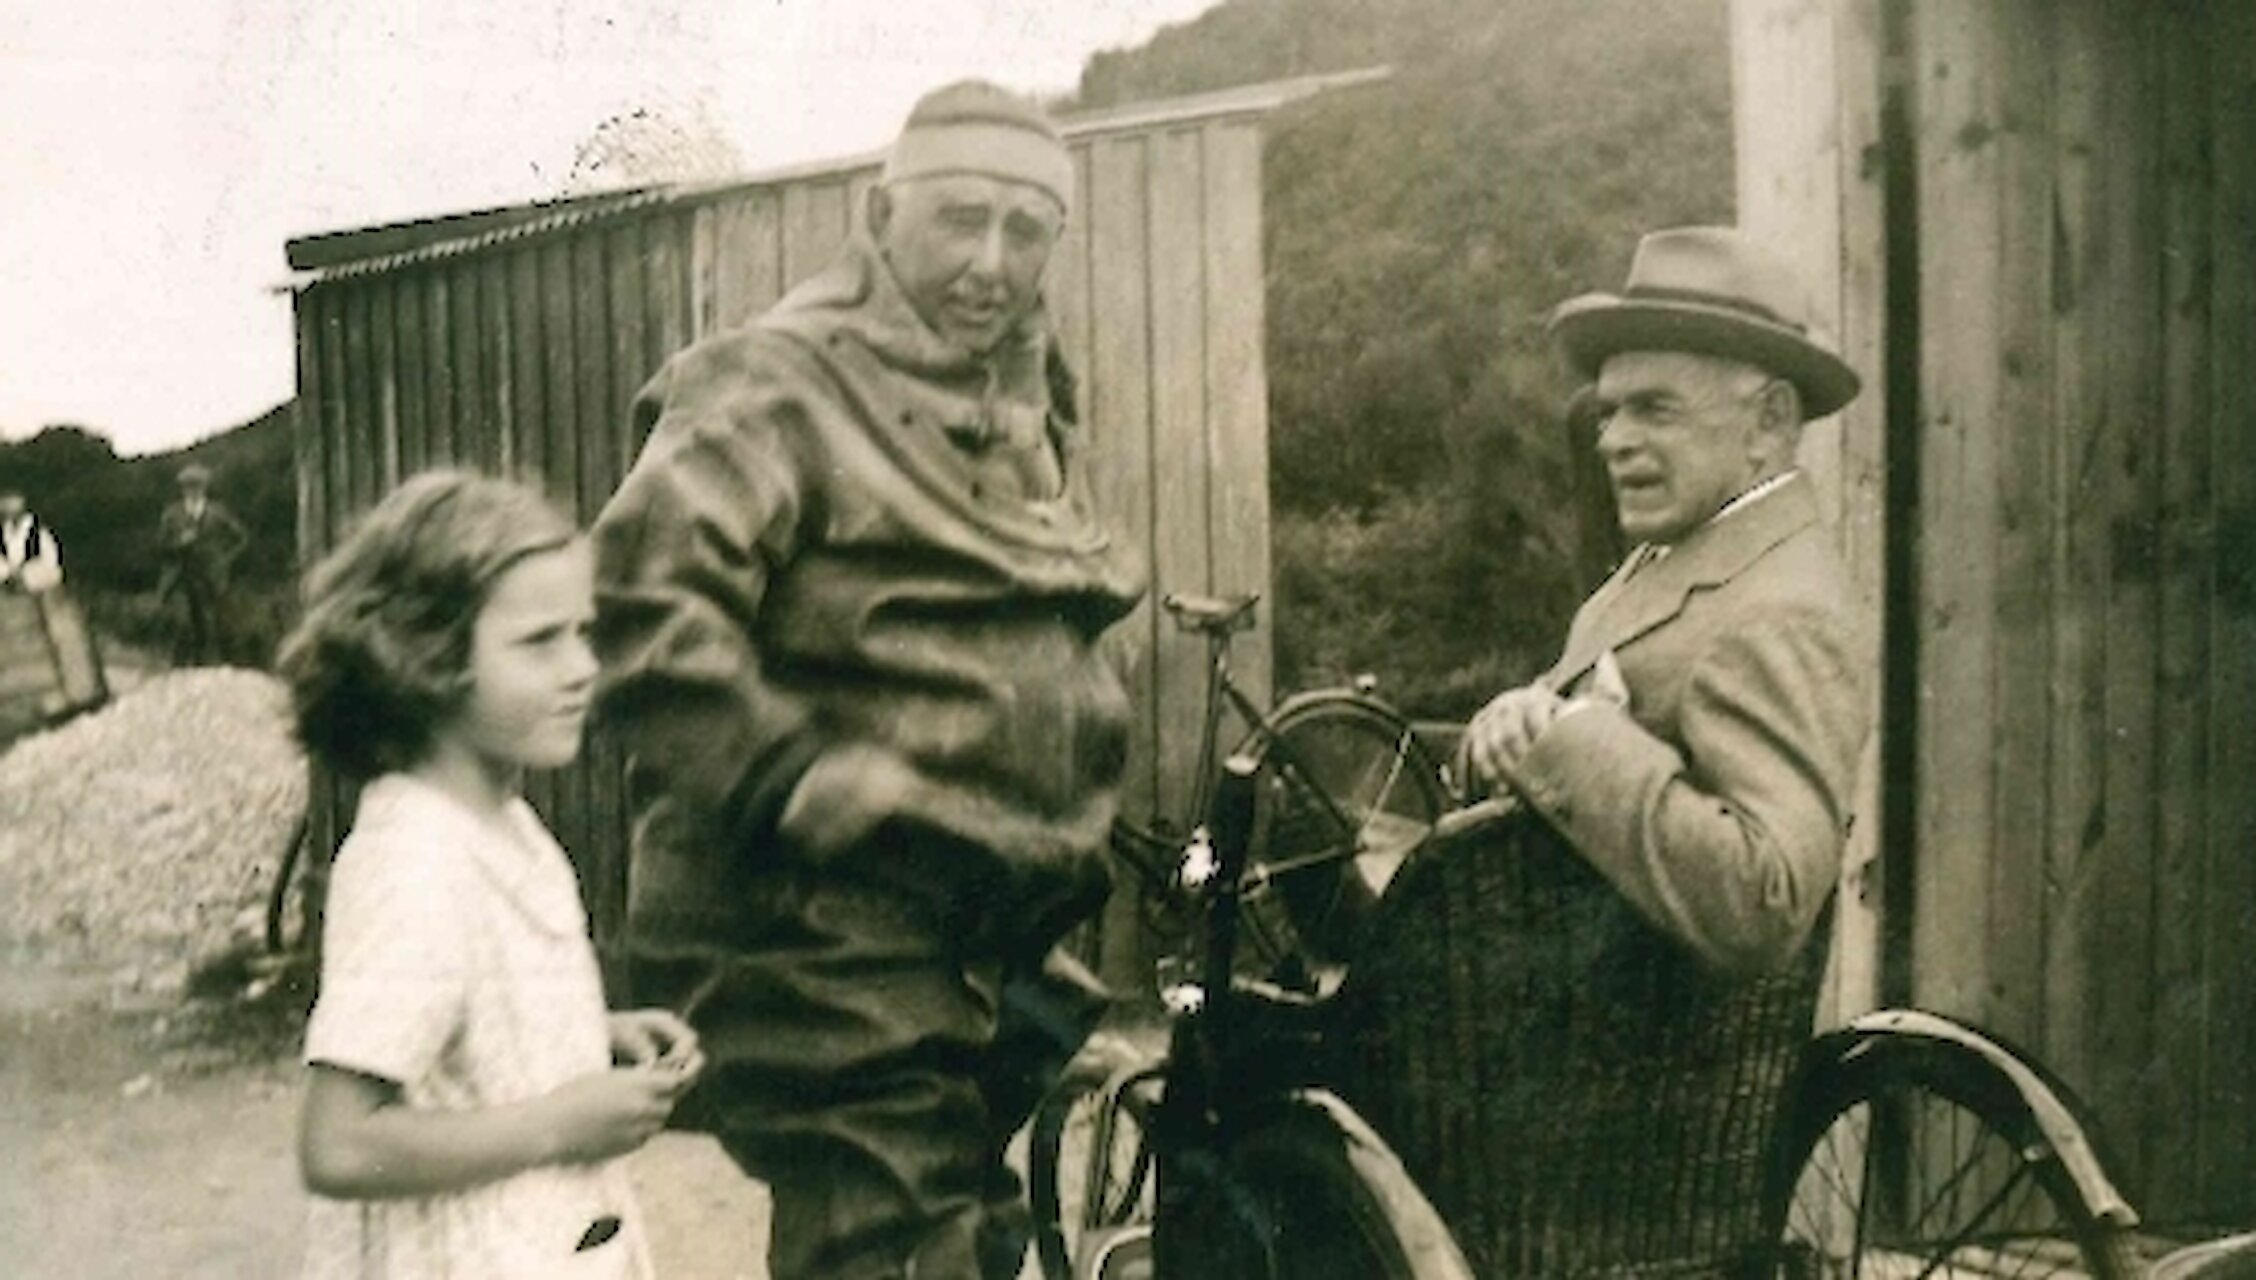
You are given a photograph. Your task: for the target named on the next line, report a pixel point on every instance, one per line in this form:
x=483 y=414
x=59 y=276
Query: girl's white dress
x=456 y=962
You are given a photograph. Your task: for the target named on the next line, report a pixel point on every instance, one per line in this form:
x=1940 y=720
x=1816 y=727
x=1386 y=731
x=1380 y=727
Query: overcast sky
x=155 y=156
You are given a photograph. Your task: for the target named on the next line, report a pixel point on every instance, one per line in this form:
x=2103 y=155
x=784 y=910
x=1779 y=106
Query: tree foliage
x=1432 y=520
x=104 y=511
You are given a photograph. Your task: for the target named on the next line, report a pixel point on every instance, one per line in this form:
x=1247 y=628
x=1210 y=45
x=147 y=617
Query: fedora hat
x=1710 y=291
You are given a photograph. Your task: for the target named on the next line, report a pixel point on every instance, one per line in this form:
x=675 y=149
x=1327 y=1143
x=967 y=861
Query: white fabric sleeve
x=395 y=965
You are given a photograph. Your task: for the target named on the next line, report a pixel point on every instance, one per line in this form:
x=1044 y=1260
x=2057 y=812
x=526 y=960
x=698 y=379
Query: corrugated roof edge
x=336 y=255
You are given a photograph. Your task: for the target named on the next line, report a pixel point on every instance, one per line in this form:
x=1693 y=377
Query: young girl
x=463 y=1107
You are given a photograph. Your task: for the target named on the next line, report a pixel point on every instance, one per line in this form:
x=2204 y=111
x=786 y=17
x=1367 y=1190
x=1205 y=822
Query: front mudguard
x=2061 y=1117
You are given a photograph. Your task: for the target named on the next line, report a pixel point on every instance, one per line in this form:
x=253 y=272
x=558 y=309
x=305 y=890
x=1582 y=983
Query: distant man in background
x=849 y=599
x=198 y=540
x=1697 y=740
x=30 y=561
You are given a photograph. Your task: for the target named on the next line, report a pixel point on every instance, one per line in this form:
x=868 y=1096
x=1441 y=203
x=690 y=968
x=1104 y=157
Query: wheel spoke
x=1346 y=800
x=1923 y=1153
x=1867 y=1181
x=1966 y=1236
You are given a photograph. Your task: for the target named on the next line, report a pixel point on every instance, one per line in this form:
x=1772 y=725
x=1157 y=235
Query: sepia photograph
x=1108 y=639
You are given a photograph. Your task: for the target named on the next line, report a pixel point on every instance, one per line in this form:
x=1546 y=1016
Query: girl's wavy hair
x=381 y=654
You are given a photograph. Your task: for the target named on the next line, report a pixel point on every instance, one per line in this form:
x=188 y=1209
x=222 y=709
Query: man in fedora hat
x=1697 y=739
x=849 y=598
x=198 y=539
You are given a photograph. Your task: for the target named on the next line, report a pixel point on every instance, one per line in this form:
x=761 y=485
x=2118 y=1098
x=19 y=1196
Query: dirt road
x=126 y=1157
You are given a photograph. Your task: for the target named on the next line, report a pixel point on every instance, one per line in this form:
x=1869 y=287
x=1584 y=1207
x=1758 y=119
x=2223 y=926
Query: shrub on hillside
x=1432 y=521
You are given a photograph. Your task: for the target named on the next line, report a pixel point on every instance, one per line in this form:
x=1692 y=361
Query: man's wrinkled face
x=1682 y=435
x=967 y=250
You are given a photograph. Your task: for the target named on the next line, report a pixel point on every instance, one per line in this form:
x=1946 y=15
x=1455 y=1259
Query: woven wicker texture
x=1576 y=1094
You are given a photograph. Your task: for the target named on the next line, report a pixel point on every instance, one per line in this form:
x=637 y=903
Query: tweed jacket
x=1718 y=801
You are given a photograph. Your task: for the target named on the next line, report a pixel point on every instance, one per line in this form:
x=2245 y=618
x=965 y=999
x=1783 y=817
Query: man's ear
x=1778 y=418
x=1782 y=407
x=878 y=213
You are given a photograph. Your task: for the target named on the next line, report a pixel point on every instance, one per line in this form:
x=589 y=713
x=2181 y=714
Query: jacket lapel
x=1628 y=605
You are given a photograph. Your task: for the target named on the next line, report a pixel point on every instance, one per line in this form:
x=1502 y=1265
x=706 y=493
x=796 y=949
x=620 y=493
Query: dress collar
x=512 y=852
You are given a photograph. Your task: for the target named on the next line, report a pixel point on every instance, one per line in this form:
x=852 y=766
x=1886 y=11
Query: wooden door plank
x=496 y=362
x=1958 y=198
x=1065 y=288
x=625 y=250
x=2186 y=569
x=362 y=421
x=1855 y=981
x=401 y=302
x=1119 y=390
x=1180 y=464
x=1787 y=136
x=814 y=226
x=2020 y=345
x=473 y=430
x=1237 y=389
x=440 y=445
x=2121 y=955
x=2077 y=825
x=2228 y=920
x=746 y=258
x=528 y=372
x=308 y=465
x=336 y=411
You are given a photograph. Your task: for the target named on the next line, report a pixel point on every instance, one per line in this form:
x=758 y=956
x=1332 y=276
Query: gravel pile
x=147 y=834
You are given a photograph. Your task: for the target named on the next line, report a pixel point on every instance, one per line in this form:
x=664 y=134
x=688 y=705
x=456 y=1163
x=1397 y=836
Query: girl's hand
x=656 y=1038
x=610 y=1113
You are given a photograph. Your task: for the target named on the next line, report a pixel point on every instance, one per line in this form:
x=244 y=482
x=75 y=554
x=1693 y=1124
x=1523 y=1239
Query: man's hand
x=842 y=797
x=1505 y=730
x=1502 y=733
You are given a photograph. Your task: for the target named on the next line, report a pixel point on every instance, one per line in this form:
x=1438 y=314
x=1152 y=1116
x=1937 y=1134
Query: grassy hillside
x=1433 y=523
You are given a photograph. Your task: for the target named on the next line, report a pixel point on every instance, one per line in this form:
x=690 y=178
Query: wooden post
x=1806 y=87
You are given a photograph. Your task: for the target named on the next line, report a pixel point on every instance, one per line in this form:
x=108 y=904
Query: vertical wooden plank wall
x=2186 y=554
x=2080 y=258
x=1119 y=373
x=2078 y=736
x=309 y=445
x=2227 y=920
x=1180 y=535
x=1955 y=83
x=2085 y=308
x=1236 y=429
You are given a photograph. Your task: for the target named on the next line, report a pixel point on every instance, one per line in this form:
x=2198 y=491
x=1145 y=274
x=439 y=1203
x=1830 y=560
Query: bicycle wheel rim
x=1923 y=1162
x=1346 y=795
x=1088 y=1169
